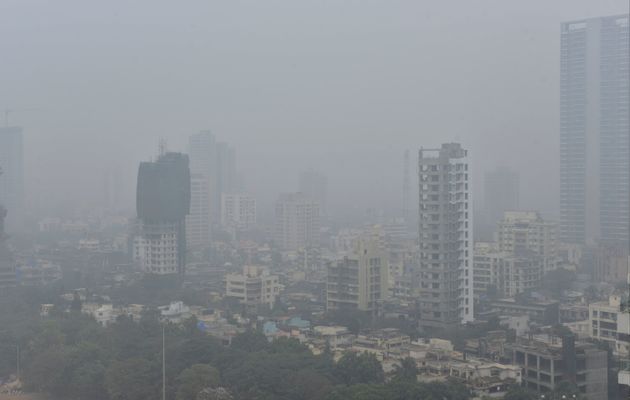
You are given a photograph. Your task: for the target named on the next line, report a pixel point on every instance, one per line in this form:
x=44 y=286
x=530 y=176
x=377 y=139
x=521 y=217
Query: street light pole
x=17 y=363
x=163 y=364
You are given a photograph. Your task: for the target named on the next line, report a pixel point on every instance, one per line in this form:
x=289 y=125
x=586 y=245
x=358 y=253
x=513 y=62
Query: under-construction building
x=163 y=201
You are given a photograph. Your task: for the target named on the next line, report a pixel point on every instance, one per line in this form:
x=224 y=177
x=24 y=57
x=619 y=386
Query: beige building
x=359 y=280
x=253 y=287
x=510 y=274
x=527 y=230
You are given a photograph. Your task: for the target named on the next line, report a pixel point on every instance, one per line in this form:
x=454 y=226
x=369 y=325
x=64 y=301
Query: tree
x=363 y=368
x=287 y=345
x=520 y=393
x=215 y=394
x=407 y=370
x=47 y=371
x=250 y=341
x=308 y=384
x=76 y=305
x=132 y=379
x=194 y=379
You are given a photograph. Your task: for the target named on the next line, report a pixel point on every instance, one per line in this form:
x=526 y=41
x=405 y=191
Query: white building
x=253 y=287
x=444 y=277
x=238 y=211
x=176 y=312
x=156 y=250
x=297 y=222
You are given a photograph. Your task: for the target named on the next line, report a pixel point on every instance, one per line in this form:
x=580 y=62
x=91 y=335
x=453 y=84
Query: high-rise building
x=297 y=222
x=198 y=221
x=7 y=263
x=238 y=211
x=521 y=231
x=315 y=185
x=163 y=201
x=594 y=126
x=12 y=178
x=500 y=194
x=444 y=279
x=359 y=280
x=216 y=163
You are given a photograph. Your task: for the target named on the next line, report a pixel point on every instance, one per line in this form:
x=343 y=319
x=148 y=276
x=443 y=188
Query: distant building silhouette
x=297 y=222
x=315 y=185
x=215 y=163
x=500 y=193
x=594 y=126
x=12 y=179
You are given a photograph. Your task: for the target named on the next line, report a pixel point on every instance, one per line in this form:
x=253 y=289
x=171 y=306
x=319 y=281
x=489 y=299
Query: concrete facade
x=444 y=279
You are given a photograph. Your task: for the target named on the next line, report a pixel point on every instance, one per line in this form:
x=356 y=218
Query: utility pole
x=163 y=364
x=18 y=361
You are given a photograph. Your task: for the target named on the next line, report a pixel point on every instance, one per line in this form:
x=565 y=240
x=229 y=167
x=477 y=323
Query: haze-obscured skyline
x=342 y=87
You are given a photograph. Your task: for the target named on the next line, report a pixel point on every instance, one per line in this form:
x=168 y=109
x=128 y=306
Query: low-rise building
x=253 y=287
x=383 y=343
x=176 y=312
x=545 y=312
x=609 y=323
x=548 y=360
x=334 y=336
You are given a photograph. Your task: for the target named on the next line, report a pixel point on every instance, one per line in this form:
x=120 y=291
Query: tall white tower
x=444 y=275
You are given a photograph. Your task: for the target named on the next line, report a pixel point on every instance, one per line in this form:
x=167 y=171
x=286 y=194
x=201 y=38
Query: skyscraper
x=198 y=221
x=315 y=185
x=214 y=162
x=163 y=201
x=7 y=263
x=297 y=222
x=594 y=126
x=444 y=275
x=12 y=179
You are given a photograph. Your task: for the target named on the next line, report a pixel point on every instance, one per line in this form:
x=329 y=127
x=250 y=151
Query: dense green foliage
x=70 y=356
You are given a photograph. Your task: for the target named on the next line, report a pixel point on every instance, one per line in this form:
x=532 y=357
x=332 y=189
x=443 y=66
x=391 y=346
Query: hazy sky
x=341 y=86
